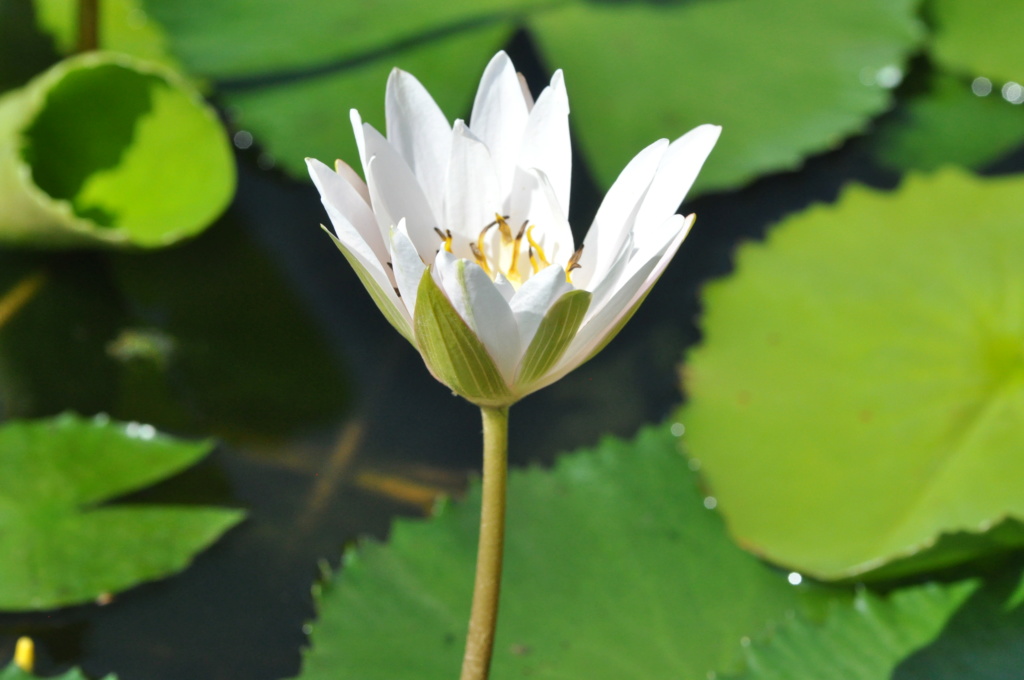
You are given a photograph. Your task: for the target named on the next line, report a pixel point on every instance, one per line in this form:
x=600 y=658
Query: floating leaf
x=861 y=640
x=860 y=389
x=949 y=123
x=635 y=71
x=613 y=567
x=103 y=149
x=979 y=38
x=964 y=631
x=63 y=544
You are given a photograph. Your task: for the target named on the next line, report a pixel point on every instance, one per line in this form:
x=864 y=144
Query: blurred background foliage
x=853 y=392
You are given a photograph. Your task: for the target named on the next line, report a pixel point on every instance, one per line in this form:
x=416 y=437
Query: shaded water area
x=367 y=439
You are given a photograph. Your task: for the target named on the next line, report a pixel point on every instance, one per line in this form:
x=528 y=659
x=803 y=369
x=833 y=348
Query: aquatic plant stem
x=88 y=25
x=476 y=664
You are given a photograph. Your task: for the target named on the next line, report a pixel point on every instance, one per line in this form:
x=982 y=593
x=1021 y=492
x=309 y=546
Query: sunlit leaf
x=63 y=542
x=103 y=149
x=859 y=392
x=614 y=568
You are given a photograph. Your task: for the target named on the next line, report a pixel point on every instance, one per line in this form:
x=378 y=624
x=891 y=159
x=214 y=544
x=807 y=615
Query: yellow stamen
x=446 y=236
x=513 y=268
x=537 y=258
x=480 y=259
x=573 y=263
x=506 y=231
x=25 y=654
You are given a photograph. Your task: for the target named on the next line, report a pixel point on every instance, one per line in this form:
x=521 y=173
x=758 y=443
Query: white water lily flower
x=460 y=232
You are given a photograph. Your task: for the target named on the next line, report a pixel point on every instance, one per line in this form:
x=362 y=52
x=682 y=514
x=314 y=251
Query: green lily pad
x=964 y=631
x=613 y=567
x=954 y=121
x=63 y=544
x=862 y=640
x=979 y=37
x=640 y=71
x=859 y=392
x=635 y=71
x=103 y=149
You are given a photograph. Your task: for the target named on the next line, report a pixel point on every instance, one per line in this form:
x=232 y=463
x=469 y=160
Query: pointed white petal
x=338 y=194
x=525 y=87
x=603 y=324
x=407 y=265
x=378 y=283
x=395 y=194
x=472 y=195
x=483 y=308
x=420 y=133
x=534 y=298
x=546 y=139
x=357 y=129
x=615 y=217
x=346 y=172
x=676 y=173
x=499 y=116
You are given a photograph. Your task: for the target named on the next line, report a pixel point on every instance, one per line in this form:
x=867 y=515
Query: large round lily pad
x=860 y=389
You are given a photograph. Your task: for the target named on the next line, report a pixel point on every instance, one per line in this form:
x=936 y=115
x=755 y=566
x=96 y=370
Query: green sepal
x=380 y=297
x=556 y=331
x=453 y=352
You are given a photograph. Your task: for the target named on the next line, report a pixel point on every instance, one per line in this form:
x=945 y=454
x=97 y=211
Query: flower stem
x=476 y=663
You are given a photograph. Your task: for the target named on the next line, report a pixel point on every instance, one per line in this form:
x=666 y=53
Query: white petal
x=372 y=267
x=504 y=287
x=338 y=194
x=546 y=143
x=615 y=217
x=472 y=195
x=676 y=173
x=533 y=198
x=534 y=298
x=482 y=306
x=499 y=116
x=525 y=87
x=346 y=172
x=395 y=194
x=605 y=320
x=357 y=129
x=407 y=265
x=419 y=131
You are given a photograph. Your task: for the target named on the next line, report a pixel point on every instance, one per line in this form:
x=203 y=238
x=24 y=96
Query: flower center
x=504 y=254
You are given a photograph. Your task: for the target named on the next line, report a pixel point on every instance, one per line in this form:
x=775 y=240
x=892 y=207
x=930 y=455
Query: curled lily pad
x=105 y=149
